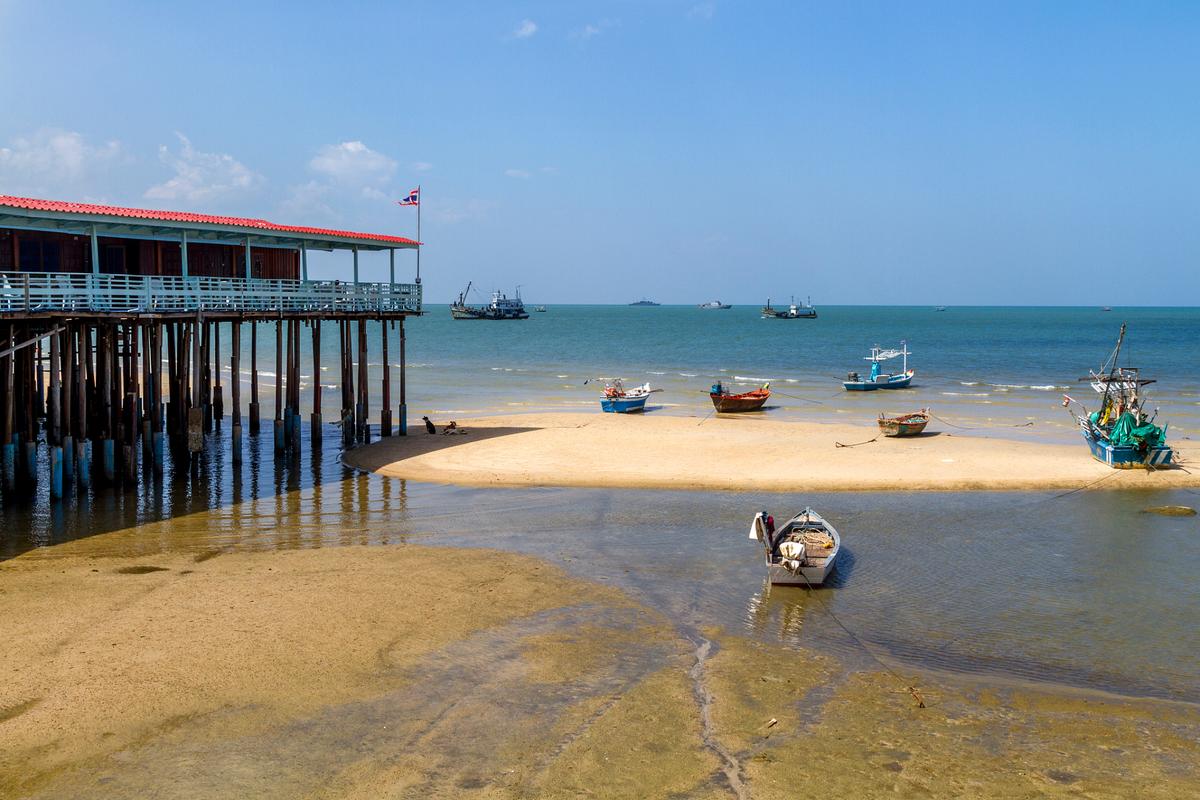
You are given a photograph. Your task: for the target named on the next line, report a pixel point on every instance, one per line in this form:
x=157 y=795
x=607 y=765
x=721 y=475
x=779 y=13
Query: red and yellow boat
x=727 y=403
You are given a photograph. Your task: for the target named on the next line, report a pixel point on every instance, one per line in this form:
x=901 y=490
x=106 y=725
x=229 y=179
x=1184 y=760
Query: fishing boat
x=540 y=309
x=619 y=400
x=728 y=403
x=1121 y=434
x=793 y=311
x=500 y=307
x=904 y=424
x=939 y=308
x=715 y=305
x=645 y=302
x=803 y=552
x=879 y=379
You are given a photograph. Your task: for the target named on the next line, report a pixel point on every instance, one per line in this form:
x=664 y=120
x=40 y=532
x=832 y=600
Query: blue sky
x=1008 y=153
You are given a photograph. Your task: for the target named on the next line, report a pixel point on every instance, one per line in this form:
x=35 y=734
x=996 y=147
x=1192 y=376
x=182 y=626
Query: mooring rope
x=980 y=427
x=856 y=444
x=916 y=694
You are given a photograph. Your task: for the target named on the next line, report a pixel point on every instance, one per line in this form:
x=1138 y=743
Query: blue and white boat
x=617 y=399
x=879 y=379
x=1121 y=434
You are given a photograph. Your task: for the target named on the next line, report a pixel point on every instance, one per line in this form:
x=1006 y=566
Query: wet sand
x=738 y=452
x=407 y=671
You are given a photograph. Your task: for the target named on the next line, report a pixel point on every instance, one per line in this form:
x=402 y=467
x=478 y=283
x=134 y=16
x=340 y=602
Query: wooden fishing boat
x=619 y=400
x=803 y=552
x=727 y=403
x=904 y=424
x=879 y=379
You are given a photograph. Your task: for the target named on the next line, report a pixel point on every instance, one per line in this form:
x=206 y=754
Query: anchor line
x=916 y=694
x=980 y=427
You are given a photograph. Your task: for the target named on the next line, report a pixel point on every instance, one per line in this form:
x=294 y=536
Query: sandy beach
x=406 y=671
x=737 y=453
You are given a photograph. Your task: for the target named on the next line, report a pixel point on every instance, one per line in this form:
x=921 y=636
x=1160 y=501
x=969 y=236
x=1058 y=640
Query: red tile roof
x=34 y=204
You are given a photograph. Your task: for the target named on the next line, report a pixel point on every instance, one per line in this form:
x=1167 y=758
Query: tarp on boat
x=1126 y=432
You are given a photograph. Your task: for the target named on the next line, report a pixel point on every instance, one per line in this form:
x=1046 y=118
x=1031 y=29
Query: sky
x=600 y=152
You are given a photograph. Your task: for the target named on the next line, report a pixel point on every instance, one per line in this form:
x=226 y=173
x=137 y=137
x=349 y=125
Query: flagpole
x=419 y=204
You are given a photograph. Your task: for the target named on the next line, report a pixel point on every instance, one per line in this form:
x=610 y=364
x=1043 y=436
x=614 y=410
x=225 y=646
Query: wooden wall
x=66 y=253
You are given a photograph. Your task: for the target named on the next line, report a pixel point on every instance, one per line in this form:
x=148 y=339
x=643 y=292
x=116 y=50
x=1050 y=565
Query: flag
x=413 y=199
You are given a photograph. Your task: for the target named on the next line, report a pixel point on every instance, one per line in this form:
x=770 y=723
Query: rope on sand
x=980 y=427
x=856 y=444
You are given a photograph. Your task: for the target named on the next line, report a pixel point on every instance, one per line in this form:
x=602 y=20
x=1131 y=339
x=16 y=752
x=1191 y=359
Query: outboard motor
x=852 y=377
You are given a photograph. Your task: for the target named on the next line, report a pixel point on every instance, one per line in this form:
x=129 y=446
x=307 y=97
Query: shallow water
x=1083 y=589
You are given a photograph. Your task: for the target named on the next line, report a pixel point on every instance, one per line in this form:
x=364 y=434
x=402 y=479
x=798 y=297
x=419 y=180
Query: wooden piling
x=235 y=377
x=385 y=413
x=253 y=411
x=315 y=420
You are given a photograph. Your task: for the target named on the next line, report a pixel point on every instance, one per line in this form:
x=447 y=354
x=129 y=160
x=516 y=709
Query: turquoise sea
x=974 y=364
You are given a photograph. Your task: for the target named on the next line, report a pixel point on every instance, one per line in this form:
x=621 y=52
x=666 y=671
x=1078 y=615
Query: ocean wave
x=687 y=374
x=652 y=372
x=562 y=376
x=756 y=380
x=1049 y=387
x=967 y=394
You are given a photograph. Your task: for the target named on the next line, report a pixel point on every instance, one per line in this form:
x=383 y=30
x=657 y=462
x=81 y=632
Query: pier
x=112 y=322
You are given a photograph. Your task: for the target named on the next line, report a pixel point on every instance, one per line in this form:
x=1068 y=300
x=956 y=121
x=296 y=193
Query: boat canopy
x=884 y=355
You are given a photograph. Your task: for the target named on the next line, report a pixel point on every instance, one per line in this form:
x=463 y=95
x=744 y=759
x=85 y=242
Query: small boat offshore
x=1121 y=434
x=715 y=305
x=619 y=400
x=904 y=424
x=727 y=403
x=793 y=311
x=879 y=379
x=803 y=552
x=500 y=307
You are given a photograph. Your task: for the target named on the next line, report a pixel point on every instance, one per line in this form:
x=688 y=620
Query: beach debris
x=429 y=426
x=772 y=722
x=1171 y=511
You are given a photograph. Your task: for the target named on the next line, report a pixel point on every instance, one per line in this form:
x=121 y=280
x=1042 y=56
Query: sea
x=1082 y=589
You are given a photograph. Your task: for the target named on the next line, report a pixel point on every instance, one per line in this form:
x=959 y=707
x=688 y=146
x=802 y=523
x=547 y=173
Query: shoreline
x=738 y=453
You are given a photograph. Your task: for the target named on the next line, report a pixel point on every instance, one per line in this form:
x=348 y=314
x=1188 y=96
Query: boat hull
x=780 y=575
x=893 y=382
x=903 y=426
x=1128 y=457
x=737 y=403
x=623 y=405
x=478 y=313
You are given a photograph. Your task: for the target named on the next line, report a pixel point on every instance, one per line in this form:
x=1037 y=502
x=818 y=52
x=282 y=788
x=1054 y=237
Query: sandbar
x=740 y=453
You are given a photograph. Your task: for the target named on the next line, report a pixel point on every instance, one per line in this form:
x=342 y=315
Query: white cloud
x=517 y=173
x=704 y=11
x=353 y=163
x=420 y=166
x=593 y=29
x=201 y=177
x=53 y=161
x=525 y=29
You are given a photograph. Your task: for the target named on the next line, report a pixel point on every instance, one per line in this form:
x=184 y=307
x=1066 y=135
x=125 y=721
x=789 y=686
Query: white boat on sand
x=801 y=552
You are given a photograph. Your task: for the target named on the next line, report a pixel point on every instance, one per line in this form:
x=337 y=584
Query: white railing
x=38 y=292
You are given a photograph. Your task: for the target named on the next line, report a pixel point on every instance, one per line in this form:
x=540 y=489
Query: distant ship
x=715 y=304
x=645 y=302
x=501 y=307
x=540 y=309
x=793 y=311
x=939 y=308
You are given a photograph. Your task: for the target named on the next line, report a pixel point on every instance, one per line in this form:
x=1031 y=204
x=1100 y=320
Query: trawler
x=793 y=311
x=1121 y=434
x=500 y=307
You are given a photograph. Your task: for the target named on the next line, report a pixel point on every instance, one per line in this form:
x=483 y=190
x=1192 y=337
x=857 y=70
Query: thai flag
x=413 y=199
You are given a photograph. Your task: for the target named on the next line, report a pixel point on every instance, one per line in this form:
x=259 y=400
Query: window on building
x=40 y=255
